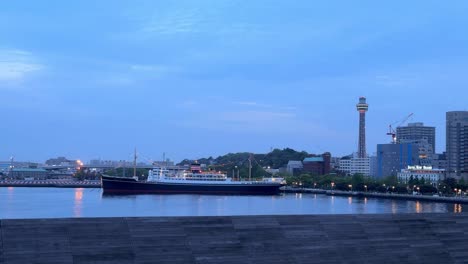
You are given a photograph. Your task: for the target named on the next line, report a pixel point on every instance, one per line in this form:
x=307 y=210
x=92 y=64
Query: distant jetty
x=51 y=183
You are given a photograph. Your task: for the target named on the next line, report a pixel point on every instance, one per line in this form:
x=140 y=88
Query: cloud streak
x=16 y=65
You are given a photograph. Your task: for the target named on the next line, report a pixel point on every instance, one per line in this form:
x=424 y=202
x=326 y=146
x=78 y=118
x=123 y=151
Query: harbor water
x=26 y=202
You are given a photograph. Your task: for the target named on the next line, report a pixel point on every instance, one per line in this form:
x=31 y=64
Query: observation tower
x=362 y=108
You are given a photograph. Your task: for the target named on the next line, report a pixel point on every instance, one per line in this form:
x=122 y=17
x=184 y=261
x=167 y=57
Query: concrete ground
x=400 y=238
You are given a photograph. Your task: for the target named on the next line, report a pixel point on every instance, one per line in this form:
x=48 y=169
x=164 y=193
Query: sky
x=95 y=79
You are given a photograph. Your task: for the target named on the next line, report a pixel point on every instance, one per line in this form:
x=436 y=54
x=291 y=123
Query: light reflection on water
x=56 y=202
x=78 y=202
x=418 y=207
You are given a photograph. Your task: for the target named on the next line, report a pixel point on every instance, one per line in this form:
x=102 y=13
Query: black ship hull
x=116 y=185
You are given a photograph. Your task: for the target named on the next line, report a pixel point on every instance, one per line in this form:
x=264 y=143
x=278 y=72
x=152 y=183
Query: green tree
x=411 y=180
x=427 y=189
x=80 y=175
x=390 y=181
x=422 y=181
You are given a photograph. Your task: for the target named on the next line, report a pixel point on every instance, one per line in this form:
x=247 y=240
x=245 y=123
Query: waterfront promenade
x=50 y=183
x=375 y=238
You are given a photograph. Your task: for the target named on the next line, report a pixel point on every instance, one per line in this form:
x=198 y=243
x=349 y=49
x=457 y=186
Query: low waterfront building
x=294 y=167
x=60 y=161
x=417 y=172
x=166 y=163
x=352 y=164
x=272 y=171
x=27 y=174
x=317 y=164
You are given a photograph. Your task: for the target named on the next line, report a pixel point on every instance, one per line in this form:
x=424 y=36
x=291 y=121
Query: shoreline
x=393 y=196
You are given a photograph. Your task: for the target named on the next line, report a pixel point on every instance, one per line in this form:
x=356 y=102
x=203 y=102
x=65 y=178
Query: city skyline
x=94 y=80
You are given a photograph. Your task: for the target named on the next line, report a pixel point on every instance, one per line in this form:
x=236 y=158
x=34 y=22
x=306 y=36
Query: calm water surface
x=20 y=202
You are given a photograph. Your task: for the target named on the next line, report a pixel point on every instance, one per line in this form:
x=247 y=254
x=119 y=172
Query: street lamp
x=365 y=188
x=350 y=187
x=315 y=185
x=332 y=185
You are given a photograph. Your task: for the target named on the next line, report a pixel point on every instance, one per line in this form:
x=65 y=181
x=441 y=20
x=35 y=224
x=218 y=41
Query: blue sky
x=94 y=79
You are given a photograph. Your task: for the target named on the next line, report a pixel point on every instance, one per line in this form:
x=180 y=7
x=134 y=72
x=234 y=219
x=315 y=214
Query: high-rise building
x=362 y=108
x=439 y=161
x=417 y=132
x=392 y=158
x=457 y=144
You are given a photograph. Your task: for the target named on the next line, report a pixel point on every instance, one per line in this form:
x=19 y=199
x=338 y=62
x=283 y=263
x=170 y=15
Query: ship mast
x=134 y=163
x=250 y=167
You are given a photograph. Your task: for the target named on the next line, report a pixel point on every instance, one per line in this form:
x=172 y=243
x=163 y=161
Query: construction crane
x=391 y=129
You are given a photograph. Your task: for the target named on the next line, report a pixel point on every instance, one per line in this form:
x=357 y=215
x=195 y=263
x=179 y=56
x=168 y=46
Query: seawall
x=401 y=238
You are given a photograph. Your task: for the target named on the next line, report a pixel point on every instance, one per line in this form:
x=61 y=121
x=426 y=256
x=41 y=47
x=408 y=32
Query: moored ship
x=161 y=180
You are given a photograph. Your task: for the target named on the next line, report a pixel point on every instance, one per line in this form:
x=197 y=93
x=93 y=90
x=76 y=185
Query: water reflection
x=350 y=200
x=11 y=191
x=394 y=207
x=457 y=208
x=418 y=208
x=78 y=206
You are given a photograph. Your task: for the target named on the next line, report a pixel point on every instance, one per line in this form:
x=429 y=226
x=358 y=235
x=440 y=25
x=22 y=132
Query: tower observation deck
x=362 y=108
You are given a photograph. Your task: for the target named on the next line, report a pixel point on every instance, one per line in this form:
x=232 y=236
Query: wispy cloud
x=154 y=71
x=187 y=104
x=178 y=21
x=16 y=65
x=124 y=75
x=259 y=122
x=251 y=103
x=254 y=116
